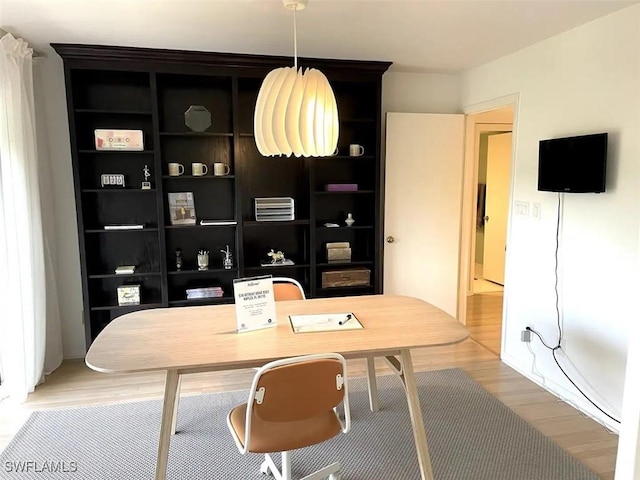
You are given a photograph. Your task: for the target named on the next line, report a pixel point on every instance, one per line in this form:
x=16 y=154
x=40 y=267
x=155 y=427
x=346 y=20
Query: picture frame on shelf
x=128 y=295
x=182 y=209
x=124 y=140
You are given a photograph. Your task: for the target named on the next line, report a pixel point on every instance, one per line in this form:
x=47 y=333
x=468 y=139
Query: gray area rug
x=471 y=436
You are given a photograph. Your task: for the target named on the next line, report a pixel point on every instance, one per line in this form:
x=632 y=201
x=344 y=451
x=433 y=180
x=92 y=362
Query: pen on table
x=342 y=322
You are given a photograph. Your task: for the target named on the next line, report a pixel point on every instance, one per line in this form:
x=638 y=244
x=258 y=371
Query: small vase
x=349 y=220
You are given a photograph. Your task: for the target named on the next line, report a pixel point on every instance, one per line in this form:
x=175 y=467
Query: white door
x=423 y=196
x=496 y=206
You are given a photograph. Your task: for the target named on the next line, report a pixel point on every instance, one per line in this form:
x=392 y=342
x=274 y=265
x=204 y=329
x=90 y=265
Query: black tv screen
x=573 y=164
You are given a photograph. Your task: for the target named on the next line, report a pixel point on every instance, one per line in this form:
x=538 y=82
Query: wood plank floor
x=73 y=384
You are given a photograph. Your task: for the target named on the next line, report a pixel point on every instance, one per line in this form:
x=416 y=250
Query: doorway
x=488 y=161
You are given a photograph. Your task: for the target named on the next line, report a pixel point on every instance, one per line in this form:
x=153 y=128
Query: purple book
x=341 y=187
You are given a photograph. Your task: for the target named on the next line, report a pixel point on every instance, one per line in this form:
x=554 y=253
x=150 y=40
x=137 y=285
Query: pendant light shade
x=296 y=112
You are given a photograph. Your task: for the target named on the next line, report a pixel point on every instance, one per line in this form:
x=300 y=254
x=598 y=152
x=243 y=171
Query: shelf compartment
x=85 y=128
x=104 y=253
x=104 y=90
x=189 y=148
x=103 y=292
x=177 y=92
x=186 y=227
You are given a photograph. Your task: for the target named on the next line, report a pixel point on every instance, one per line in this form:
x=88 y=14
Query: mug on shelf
x=221 y=169
x=176 y=169
x=356 y=150
x=199 y=169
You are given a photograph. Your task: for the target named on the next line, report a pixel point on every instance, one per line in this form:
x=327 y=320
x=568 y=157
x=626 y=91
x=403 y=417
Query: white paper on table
x=324 y=322
x=255 y=304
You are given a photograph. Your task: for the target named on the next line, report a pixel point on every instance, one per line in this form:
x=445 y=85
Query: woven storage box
x=338 y=252
x=353 y=277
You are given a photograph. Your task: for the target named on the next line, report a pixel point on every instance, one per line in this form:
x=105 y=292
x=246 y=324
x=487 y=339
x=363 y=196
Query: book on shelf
x=182 y=209
x=218 y=222
x=204 y=292
x=125 y=269
x=128 y=226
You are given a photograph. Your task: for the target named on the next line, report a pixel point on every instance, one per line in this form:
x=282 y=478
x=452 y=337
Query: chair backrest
x=298 y=388
x=287 y=289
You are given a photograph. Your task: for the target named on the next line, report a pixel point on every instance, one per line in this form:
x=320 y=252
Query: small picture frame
x=182 y=210
x=128 y=295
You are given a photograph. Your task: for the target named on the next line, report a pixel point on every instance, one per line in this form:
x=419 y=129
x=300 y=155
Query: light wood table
x=198 y=339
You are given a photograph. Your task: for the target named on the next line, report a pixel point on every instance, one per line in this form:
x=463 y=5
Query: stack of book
x=205 y=292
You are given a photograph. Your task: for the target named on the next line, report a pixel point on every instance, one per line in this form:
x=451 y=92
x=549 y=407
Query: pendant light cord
x=295 y=40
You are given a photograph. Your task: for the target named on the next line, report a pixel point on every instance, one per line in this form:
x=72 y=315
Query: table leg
x=175 y=406
x=415 y=413
x=170 y=389
x=372 y=384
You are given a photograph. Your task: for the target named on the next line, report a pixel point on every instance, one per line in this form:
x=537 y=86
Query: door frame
x=480 y=128
x=470 y=193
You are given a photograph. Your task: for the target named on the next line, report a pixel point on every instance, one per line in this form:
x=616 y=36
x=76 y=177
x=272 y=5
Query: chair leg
x=373 y=386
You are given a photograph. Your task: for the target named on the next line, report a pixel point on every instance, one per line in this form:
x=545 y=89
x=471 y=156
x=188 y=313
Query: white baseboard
x=573 y=399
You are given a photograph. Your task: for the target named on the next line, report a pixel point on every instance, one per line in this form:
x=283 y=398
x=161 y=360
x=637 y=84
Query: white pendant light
x=296 y=111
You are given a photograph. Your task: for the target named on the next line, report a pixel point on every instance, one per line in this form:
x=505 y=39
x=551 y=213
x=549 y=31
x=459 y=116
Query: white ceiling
x=418 y=35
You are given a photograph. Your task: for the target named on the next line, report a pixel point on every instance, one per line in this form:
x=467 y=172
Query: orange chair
x=292 y=404
x=287 y=289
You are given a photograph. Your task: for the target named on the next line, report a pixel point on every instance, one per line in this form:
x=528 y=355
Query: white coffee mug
x=176 y=169
x=220 y=169
x=356 y=150
x=199 y=169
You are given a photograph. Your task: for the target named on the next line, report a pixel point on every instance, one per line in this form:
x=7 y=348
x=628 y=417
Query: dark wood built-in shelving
x=150 y=90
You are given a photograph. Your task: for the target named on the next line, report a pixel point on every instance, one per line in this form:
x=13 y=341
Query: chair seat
x=267 y=437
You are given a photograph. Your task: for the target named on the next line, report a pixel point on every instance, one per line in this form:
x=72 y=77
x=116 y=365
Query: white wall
x=420 y=93
x=582 y=81
x=68 y=260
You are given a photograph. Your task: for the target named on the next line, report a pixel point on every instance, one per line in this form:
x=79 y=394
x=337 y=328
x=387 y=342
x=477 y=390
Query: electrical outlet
x=525 y=336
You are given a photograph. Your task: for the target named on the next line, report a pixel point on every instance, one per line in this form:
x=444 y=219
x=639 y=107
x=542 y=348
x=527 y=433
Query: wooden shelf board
x=116 y=190
x=125 y=275
x=352 y=192
x=139 y=230
x=344 y=227
x=269 y=267
x=344 y=264
x=280 y=223
x=195 y=134
x=201 y=272
x=178 y=227
x=126 y=307
x=201 y=301
x=206 y=177
x=112 y=112
x=117 y=152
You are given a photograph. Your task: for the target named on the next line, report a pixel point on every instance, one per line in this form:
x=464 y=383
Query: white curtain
x=28 y=306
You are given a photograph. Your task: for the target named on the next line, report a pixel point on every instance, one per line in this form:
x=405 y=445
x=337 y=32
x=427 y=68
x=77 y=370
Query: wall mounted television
x=573 y=164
